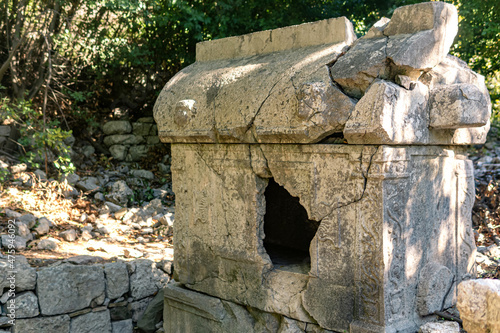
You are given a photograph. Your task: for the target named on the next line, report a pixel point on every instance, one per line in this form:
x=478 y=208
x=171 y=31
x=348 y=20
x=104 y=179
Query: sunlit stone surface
x=319 y=181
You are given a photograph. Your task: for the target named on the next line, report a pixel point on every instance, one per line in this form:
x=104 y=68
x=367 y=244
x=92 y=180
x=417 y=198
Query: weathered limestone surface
x=440 y=327
x=411 y=51
x=479 y=305
x=145 y=278
x=421 y=35
x=123 y=326
x=117 y=279
x=418 y=37
x=190 y=311
x=365 y=199
x=27 y=305
x=329 y=31
x=389 y=113
x=435 y=283
x=57 y=324
x=277 y=89
x=91 y=322
x=459 y=105
x=117 y=127
x=369 y=236
x=282 y=86
x=25 y=275
x=67 y=288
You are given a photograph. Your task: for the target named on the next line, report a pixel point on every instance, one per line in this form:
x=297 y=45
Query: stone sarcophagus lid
x=321 y=181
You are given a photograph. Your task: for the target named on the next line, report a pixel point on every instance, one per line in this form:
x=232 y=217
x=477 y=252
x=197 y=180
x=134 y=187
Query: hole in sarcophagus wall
x=288 y=231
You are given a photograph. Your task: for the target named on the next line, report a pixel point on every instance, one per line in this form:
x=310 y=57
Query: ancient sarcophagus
x=321 y=180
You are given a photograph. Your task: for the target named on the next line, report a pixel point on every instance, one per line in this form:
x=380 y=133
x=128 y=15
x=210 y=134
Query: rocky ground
x=124 y=211
x=106 y=209
x=486 y=213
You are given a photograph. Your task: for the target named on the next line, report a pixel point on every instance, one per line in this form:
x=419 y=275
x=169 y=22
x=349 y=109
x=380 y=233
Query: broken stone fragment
x=449 y=71
x=417 y=38
x=361 y=65
x=435 y=283
x=416 y=52
x=120 y=193
x=49 y=244
x=88 y=184
x=28 y=219
x=42 y=226
x=421 y=35
x=119 y=152
x=68 y=235
x=377 y=30
x=458 y=106
x=325 y=106
x=404 y=81
x=389 y=114
x=23 y=231
x=478 y=302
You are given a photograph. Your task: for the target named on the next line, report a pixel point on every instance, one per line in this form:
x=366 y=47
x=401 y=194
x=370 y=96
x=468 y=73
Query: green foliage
x=493 y=83
x=38 y=137
x=479 y=34
x=478 y=43
x=121 y=53
x=4 y=175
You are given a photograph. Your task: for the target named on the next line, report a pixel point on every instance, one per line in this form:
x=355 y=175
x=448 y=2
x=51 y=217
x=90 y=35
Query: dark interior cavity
x=288 y=231
x=335 y=138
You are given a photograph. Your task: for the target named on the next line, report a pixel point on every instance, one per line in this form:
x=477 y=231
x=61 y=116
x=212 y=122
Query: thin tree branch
x=6 y=64
x=44 y=106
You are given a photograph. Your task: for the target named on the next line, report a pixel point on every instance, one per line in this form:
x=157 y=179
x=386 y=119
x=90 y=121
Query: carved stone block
x=334 y=235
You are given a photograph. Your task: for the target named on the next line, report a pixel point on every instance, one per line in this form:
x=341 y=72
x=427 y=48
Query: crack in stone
x=365 y=183
x=251 y=123
x=253 y=157
x=220 y=176
x=315 y=111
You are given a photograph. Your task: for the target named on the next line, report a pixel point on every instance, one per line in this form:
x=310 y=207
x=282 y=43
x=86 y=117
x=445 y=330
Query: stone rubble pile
x=112 y=192
x=409 y=89
x=78 y=295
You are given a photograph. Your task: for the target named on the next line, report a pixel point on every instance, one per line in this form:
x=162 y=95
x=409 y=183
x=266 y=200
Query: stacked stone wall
x=79 y=295
x=130 y=141
x=8 y=138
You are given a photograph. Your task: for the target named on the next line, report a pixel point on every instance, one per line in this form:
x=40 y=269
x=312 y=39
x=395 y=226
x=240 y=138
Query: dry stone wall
x=130 y=141
x=8 y=138
x=78 y=295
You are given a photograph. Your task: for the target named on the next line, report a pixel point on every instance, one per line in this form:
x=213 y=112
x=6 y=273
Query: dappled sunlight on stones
x=369 y=235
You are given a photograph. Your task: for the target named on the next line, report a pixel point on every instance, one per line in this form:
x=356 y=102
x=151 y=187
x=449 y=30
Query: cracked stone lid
x=315 y=82
x=270 y=86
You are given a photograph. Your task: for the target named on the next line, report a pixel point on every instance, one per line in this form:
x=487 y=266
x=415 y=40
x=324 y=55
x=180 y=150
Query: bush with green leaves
x=98 y=54
x=42 y=139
